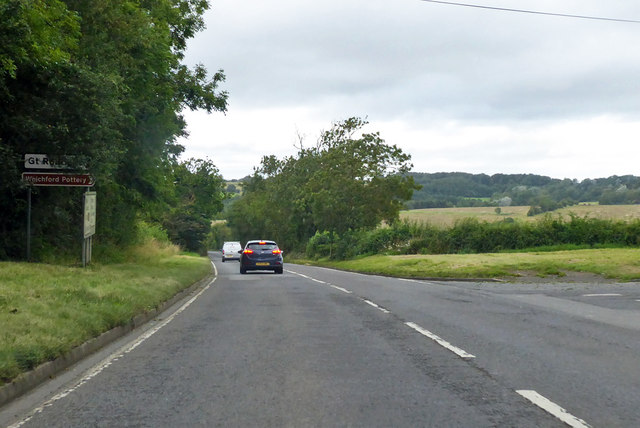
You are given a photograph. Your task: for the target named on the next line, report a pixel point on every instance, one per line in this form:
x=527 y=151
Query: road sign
x=57 y=179
x=40 y=161
x=89 y=226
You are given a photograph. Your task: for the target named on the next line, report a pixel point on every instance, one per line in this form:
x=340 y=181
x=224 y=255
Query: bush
x=147 y=231
x=319 y=245
x=474 y=236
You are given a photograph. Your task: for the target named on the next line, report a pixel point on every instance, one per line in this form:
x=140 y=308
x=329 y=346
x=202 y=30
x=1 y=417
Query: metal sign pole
x=29 y=224
x=84 y=237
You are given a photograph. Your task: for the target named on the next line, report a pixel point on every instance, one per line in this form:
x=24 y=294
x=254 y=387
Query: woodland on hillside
x=458 y=189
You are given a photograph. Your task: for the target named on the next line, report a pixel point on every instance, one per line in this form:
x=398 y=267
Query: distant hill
x=459 y=189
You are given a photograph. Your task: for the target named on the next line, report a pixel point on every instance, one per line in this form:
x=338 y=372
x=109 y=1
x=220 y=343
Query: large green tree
x=102 y=81
x=349 y=180
x=198 y=195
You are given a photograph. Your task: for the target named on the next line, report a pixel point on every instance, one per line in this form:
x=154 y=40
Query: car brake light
x=276 y=251
x=248 y=251
x=261 y=242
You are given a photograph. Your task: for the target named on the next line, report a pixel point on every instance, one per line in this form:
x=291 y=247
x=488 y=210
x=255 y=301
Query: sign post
x=29 y=224
x=66 y=179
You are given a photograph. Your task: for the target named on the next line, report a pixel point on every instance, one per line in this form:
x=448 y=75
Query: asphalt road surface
x=322 y=348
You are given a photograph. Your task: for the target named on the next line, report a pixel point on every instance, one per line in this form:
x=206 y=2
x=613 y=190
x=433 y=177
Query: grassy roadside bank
x=622 y=264
x=47 y=310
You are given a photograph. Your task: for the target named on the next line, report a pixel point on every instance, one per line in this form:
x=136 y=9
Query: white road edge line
x=552 y=408
x=461 y=353
x=602 y=295
x=369 y=302
x=98 y=368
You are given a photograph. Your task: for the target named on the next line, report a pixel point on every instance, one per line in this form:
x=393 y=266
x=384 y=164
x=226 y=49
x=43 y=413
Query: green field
x=448 y=216
x=620 y=264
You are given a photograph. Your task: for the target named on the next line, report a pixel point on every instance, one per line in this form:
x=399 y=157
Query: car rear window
x=265 y=246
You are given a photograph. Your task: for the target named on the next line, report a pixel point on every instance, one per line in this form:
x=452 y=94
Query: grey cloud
x=425 y=63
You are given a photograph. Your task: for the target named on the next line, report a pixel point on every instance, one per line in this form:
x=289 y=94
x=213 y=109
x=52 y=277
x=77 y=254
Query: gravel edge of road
x=31 y=379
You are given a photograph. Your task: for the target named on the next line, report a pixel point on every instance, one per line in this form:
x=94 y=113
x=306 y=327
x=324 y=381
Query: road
x=318 y=347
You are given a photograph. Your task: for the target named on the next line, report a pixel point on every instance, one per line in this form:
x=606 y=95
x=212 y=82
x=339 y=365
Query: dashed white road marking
x=369 y=302
x=98 y=368
x=344 y=290
x=298 y=273
x=461 y=353
x=552 y=408
x=535 y=398
x=602 y=295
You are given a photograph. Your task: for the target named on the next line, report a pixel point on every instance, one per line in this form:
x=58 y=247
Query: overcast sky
x=458 y=88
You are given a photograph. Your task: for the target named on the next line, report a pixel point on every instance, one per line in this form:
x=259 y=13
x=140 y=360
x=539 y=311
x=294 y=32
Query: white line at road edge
x=552 y=408
x=440 y=341
x=602 y=295
x=98 y=368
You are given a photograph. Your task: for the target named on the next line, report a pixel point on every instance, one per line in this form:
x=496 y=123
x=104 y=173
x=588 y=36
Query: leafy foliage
x=350 y=180
x=198 y=196
x=470 y=235
x=102 y=82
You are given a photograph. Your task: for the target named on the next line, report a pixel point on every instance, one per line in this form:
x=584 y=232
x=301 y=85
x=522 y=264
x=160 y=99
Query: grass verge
x=622 y=264
x=47 y=310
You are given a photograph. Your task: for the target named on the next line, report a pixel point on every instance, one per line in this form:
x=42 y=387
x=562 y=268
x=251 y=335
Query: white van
x=231 y=250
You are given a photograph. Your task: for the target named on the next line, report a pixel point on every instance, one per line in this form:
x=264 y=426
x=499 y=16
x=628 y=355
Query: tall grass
x=46 y=310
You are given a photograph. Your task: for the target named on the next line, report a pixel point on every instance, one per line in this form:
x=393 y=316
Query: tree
x=349 y=180
x=198 y=195
x=362 y=180
x=101 y=81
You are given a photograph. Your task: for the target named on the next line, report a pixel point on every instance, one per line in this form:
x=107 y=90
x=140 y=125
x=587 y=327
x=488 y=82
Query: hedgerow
x=474 y=236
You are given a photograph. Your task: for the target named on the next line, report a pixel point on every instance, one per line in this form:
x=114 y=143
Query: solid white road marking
x=375 y=306
x=98 y=368
x=552 y=408
x=602 y=295
x=461 y=353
